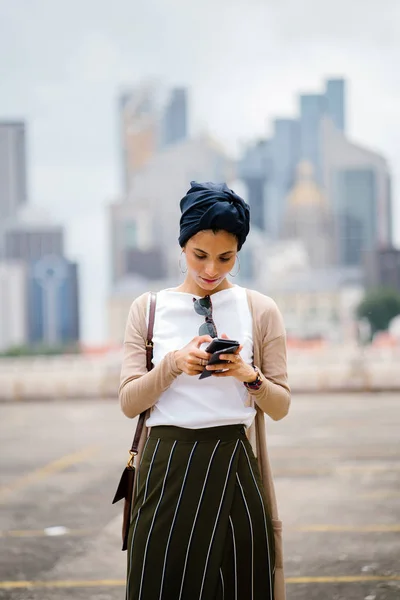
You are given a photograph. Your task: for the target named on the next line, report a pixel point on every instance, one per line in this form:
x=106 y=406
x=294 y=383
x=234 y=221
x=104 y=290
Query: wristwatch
x=256 y=384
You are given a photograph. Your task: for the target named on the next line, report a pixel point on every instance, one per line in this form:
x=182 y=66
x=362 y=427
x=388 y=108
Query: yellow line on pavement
x=61 y=584
x=46 y=471
x=24 y=533
x=335 y=469
x=121 y=582
x=354 y=528
x=343 y=579
x=380 y=494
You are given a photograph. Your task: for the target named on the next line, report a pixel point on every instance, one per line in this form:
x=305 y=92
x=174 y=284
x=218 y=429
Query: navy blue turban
x=213 y=206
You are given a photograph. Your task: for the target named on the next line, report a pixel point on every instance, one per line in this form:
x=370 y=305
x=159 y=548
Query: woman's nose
x=211 y=270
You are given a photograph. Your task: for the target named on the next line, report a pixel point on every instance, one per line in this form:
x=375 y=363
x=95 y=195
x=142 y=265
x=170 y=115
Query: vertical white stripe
x=138 y=514
x=252 y=537
x=174 y=519
x=217 y=517
x=265 y=521
x=234 y=554
x=154 y=517
x=223 y=586
x=195 y=517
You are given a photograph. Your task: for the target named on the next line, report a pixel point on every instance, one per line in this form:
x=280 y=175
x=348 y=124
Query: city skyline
x=68 y=97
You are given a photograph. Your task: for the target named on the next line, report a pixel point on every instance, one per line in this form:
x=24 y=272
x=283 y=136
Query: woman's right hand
x=190 y=359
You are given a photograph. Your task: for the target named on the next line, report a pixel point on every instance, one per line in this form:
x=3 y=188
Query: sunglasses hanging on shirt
x=203 y=307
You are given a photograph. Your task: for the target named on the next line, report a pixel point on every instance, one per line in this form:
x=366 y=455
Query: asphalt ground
x=336 y=463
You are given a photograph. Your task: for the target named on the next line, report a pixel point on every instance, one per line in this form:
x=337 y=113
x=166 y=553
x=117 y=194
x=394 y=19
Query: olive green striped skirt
x=200 y=527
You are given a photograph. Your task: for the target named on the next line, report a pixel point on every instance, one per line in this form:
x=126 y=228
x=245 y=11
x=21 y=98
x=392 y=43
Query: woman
x=204 y=519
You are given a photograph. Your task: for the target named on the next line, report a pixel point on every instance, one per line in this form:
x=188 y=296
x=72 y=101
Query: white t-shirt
x=189 y=401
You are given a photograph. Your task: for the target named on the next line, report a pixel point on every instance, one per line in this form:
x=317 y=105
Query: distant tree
x=379 y=306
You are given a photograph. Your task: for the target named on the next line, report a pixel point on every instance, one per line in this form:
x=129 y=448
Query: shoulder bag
x=127 y=481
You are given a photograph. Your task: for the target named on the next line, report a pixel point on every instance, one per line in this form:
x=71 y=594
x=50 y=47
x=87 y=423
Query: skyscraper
x=253 y=170
x=292 y=140
x=13 y=188
x=51 y=293
x=53 y=309
x=335 y=102
x=312 y=109
x=174 y=120
x=357 y=182
x=138 y=122
x=151 y=119
x=284 y=158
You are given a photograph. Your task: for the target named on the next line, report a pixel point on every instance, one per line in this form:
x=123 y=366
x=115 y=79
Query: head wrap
x=213 y=206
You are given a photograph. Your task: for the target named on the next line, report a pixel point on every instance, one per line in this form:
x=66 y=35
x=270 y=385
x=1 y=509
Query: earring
x=180 y=264
x=234 y=275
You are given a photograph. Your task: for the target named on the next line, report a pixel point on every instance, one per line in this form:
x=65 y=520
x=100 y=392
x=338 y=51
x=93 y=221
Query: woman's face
x=209 y=257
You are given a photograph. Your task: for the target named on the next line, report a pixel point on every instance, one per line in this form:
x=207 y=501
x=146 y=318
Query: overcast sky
x=63 y=62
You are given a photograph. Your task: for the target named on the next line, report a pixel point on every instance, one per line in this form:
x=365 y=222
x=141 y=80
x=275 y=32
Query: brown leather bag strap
x=149 y=341
x=149 y=364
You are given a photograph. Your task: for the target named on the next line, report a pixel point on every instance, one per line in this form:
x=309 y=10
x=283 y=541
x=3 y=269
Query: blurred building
x=272 y=164
x=355 y=180
x=253 y=170
x=30 y=240
x=150 y=119
x=13 y=187
x=50 y=295
x=313 y=109
x=308 y=218
x=382 y=268
x=53 y=310
x=319 y=303
x=13 y=317
x=34 y=308
x=174 y=124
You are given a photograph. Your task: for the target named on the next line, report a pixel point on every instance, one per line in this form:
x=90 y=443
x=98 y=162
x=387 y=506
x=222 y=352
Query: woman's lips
x=209 y=280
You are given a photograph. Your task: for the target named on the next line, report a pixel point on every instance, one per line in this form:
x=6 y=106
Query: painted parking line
x=343 y=579
x=48 y=532
x=337 y=469
x=121 y=582
x=61 y=584
x=380 y=494
x=378 y=528
x=50 y=469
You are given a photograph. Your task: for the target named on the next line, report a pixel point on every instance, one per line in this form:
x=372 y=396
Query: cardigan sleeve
x=140 y=389
x=273 y=396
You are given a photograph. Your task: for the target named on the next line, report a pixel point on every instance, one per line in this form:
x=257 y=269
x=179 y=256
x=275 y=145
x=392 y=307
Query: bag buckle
x=132 y=455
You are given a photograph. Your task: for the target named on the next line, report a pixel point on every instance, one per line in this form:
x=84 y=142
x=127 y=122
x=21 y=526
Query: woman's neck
x=191 y=287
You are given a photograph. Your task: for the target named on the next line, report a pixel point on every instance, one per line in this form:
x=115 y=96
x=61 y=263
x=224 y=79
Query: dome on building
x=308 y=218
x=305 y=192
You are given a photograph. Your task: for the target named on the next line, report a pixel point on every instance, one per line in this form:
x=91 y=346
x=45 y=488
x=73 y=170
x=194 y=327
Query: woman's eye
x=224 y=259
x=199 y=257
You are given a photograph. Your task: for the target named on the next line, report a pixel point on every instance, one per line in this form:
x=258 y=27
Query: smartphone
x=217 y=347
x=221 y=344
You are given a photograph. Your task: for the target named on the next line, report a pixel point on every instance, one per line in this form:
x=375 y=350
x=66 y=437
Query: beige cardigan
x=139 y=390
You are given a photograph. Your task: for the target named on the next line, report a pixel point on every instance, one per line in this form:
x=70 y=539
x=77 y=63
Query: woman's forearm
x=272 y=398
x=139 y=392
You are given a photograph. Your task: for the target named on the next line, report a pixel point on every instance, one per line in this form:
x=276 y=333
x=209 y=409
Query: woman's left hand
x=236 y=367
